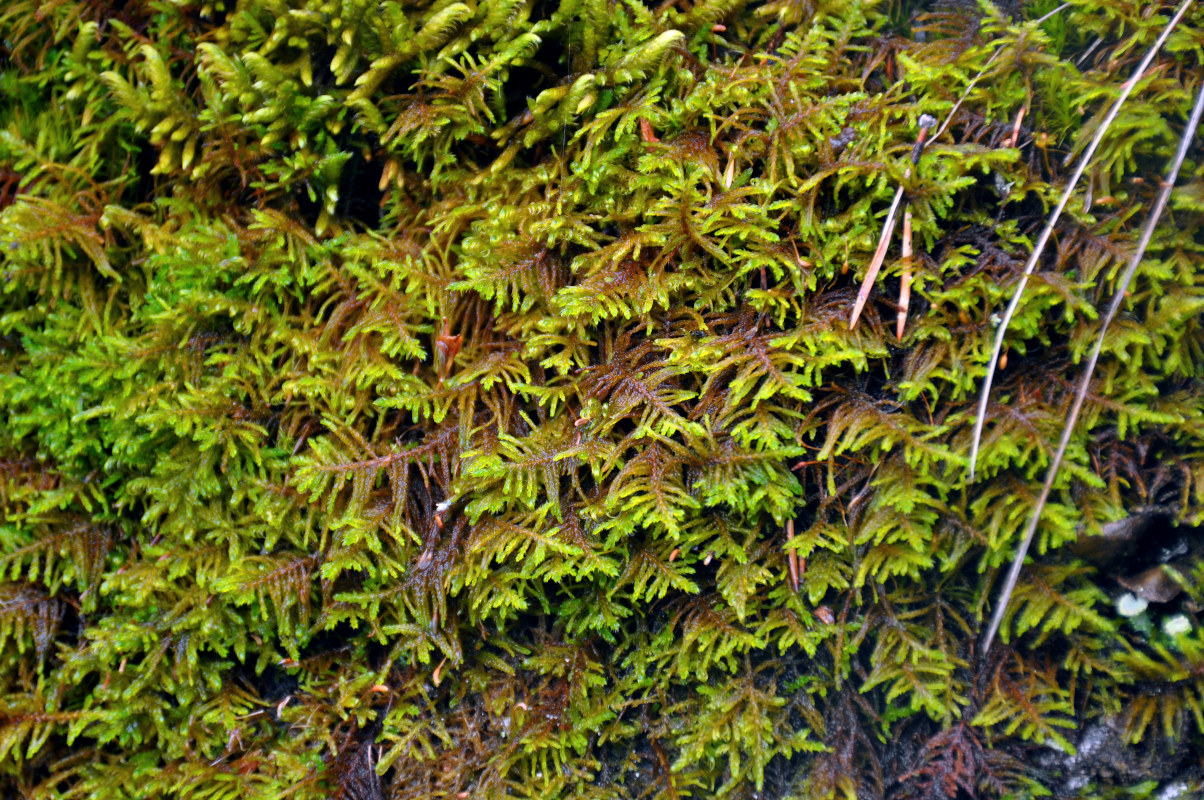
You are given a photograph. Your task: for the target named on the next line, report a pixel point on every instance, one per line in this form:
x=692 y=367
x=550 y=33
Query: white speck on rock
x=1174 y=791
x=1076 y=783
x=1092 y=741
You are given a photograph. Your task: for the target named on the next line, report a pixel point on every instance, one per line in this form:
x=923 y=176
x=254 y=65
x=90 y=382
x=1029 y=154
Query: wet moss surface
x=473 y=399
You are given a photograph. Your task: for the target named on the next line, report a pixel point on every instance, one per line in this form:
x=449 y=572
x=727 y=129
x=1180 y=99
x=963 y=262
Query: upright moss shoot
x=413 y=400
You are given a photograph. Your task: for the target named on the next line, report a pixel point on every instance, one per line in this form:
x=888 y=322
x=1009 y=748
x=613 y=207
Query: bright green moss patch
x=419 y=400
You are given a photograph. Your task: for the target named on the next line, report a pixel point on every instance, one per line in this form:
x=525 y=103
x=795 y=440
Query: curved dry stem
x=1080 y=394
x=1047 y=231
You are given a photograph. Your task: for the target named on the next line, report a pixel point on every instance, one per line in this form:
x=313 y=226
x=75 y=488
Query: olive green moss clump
x=415 y=400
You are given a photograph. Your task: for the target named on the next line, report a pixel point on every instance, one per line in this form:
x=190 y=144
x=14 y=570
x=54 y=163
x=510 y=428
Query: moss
x=460 y=400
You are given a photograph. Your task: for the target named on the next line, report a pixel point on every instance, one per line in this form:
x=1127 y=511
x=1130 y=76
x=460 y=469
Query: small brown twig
x=1015 y=137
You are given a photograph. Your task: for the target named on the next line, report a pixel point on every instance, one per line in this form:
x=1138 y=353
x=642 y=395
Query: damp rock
x=1156 y=585
x=1120 y=538
x=1103 y=756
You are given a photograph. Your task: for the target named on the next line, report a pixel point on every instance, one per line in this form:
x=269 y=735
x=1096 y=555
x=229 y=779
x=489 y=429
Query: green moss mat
x=459 y=400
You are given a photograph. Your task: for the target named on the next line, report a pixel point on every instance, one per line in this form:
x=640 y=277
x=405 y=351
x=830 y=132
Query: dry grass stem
x=1047 y=231
x=1080 y=394
x=871 y=273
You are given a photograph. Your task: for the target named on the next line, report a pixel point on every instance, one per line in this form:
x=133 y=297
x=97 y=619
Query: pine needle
x=1080 y=395
x=905 y=285
x=871 y=274
x=792 y=556
x=1047 y=231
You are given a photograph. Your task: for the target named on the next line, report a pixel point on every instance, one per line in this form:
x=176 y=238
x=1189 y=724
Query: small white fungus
x=1176 y=625
x=1130 y=605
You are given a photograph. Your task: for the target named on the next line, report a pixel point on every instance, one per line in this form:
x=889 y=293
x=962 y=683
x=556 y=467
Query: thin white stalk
x=1080 y=395
x=1047 y=231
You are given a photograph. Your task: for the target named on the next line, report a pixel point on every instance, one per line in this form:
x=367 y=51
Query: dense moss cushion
x=459 y=399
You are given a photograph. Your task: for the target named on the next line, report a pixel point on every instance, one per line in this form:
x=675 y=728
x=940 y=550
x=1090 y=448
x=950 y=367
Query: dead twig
x=1015 y=138
x=871 y=274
